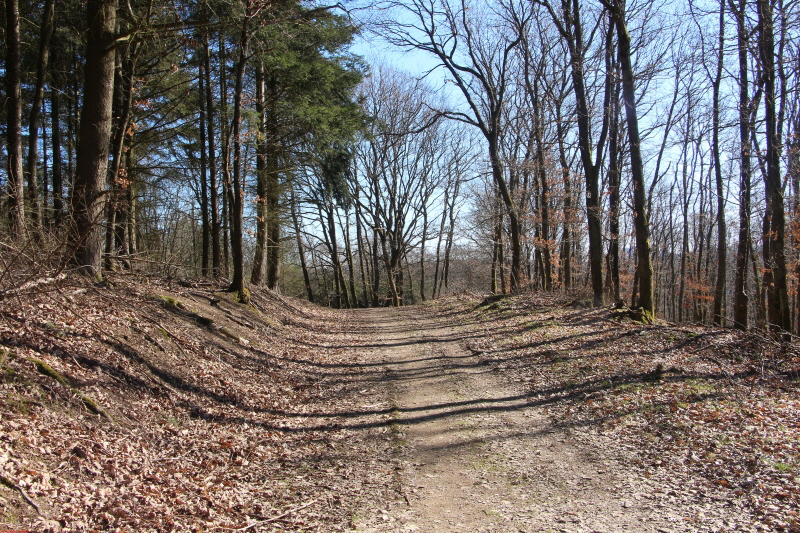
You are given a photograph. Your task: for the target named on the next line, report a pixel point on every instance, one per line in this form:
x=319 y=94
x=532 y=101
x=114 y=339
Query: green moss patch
x=47 y=370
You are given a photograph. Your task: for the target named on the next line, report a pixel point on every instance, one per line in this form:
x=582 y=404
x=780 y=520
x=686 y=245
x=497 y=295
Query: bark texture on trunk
x=94 y=136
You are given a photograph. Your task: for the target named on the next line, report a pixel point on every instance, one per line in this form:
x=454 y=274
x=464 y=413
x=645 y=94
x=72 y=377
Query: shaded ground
x=169 y=407
x=215 y=416
x=479 y=452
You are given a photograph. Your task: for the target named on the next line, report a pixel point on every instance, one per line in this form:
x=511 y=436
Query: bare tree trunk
x=572 y=32
x=439 y=242
x=641 y=222
x=411 y=298
x=422 y=253
x=216 y=252
x=236 y=191
x=123 y=100
x=718 y=315
x=94 y=136
x=15 y=189
x=45 y=33
x=300 y=252
x=348 y=250
x=363 y=265
x=497 y=240
x=58 y=176
x=774 y=219
x=614 y=172
x=260 y=257
x=376 y=271
x=566 y=234
x=544 y=201
x=449 y=243
x=333 y=248
x=273 y=188
x=225 y=156
x=204 y=207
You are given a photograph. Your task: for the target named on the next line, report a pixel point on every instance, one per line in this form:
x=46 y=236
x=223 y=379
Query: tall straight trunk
x=497 y=239
x=502 y=262
x=46 y=186
x=673 y=276
x=774 y=236
x=273 y=186
x=641 y=222
x=514 y=224
x=94 y=136
x=131 y=224
x=204 y=207
x=376 y=271
x=422 y=253
x=566 y=234
x=314 y=262
x=300 y=250
x=439 y=242
x=794 y=176
x=544 y=207
x=537 y=278
x=124 y=215
x=399 y=279
x=225 y=146
x=449 y=244
x=236 y=191
x=113 y=188
x=390 y=260
x=361 y=247
x=121 y=107
x=45 y=34
x=216 y=252
x=449 y=241
x=700 y=239
x=225 y=222
x=572 y=32
x=591 y=168
x=58 y=176
x=72 y=116
x=15 y=188
x=540 y=181
x=333 y=249
x=348 y=251
x=718 y=316
x=613 y=197
x=260 y=256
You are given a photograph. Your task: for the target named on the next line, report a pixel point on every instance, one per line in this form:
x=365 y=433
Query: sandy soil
x=476 y=455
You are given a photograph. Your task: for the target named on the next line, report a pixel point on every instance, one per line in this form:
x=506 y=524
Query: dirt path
x=478 y=456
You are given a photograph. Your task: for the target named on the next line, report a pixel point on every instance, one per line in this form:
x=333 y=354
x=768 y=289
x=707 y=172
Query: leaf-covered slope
x=711 y=415
x=160 y=406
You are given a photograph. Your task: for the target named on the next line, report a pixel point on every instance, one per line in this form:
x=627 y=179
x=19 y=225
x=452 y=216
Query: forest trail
x=529 y=413
x=476 y=455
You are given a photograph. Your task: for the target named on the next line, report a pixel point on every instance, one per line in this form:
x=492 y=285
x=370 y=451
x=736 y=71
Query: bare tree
x=476 y=53
x=571 y=28
x=641 y=223
x=774 y=236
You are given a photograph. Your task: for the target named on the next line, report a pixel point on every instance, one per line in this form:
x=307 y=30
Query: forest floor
x=157 y=405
